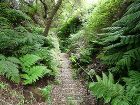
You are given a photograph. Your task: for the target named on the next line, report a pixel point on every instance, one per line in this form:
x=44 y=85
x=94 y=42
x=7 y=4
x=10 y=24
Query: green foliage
x=34 y=73
x=29 y=60
x=46 y=92
x=50 y=59
x=3 y=85
x=102 y=15
x=4 y=23
x=53 y=42
x=106 y=88
x=9 y=68
x=122 y=55
x=73 y=58
x=27 y=43
x=19 y=41
x=17 y=18
x=124 y=39
x=70 y=27
x=76 y=40
x=85 y=55
x=115 y=93
x=35 y=29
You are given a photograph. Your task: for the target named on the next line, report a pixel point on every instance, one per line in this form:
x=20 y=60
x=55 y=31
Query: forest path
x=69 y=91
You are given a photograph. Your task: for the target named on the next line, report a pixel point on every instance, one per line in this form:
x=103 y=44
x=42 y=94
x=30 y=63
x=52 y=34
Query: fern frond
x=113 y=46
x=110 y=39
x=120 y=100
x=134 y=7
x=46 y=92
x=106 y=88
x=111 y=29
x=133 y=87
x=14 y=60
x=136 y=28
x=134 y=80
x=29 y=60
x=33 y=74
x=130 y=39
x=2 y=57
x=129 y=58
x=10 y=70
x=128 y=19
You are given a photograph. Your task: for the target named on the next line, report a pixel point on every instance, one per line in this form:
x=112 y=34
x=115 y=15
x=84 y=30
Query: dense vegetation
x=112 y=45
x=103 y=42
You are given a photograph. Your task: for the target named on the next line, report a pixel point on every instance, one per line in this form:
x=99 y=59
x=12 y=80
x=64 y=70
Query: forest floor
x=70 y=91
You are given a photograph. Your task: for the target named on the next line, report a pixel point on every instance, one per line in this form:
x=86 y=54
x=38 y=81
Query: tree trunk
x=50 y=18
x=45 y=9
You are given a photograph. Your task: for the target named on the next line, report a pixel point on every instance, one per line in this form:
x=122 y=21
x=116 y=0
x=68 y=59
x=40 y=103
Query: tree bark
x=50 y=18
x=45 y=9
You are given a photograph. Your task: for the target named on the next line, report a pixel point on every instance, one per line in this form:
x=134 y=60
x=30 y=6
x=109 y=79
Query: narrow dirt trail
x=69 y=91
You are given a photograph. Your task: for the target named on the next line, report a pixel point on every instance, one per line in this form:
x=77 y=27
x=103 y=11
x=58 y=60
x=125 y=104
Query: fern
x=133 y=87
x=134 y=7
x=23 y=42
x=33 y=74
x=14 y=60
x=46 y=92
x=134 y=80
x=106 y=88
x=50 y=59
x=128 y=19
x=112 y=59
x=124 y=39
x=130 y=39
x=115 y=93
x=29 y=59
x=2 y=57
x=129 y=58
x=4 y=23
x=17 y=18
x=10 y=70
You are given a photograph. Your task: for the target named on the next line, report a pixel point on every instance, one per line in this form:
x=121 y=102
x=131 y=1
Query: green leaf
x=29 y=60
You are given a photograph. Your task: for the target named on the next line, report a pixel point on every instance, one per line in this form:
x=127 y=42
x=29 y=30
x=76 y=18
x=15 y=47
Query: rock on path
x=69 y=91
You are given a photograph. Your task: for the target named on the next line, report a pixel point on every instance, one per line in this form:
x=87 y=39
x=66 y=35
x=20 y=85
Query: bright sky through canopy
x=91 y=1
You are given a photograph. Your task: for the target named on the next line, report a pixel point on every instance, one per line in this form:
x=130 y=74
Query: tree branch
x=50 y=18
x=45 y=8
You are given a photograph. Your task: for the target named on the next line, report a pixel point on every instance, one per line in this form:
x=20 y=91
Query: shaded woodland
x=101 y=37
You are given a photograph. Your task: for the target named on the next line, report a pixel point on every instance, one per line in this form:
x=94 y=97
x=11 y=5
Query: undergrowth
x=26 y=55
